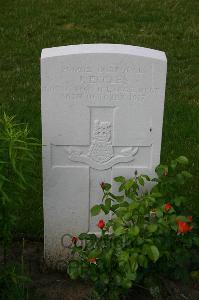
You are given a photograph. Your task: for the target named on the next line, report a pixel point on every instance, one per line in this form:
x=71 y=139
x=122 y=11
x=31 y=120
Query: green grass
x=27 y=26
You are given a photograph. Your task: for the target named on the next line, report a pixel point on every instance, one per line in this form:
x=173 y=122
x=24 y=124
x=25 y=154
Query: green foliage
x=148 y=231
x=170 y=26
x=13 y=283
x=16 y=156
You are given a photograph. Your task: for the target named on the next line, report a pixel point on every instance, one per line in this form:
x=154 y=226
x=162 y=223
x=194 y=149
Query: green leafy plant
x=17 y=150
x=13 y=283
x=143 y=229
x=181 y=250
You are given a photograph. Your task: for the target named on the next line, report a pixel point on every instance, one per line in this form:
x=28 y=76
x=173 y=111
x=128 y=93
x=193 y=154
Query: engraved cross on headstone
x=101 y=154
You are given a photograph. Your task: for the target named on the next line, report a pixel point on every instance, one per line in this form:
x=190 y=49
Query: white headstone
x=102 y=113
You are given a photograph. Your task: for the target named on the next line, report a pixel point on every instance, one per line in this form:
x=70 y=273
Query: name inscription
x=109 y=83
x=112 y=68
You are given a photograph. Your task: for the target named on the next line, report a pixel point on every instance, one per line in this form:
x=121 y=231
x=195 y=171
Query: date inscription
x=95 y=84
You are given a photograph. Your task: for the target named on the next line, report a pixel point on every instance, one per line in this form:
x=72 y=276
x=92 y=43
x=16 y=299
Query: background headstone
x=102 y=113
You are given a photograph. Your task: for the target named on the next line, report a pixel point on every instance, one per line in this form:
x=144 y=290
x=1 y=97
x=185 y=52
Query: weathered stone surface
x=102 y=112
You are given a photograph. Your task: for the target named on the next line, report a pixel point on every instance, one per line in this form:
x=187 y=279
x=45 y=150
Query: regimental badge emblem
x=100 y=154
x=101 y=149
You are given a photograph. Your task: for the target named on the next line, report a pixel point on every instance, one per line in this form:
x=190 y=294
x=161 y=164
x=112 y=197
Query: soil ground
x=50 y=285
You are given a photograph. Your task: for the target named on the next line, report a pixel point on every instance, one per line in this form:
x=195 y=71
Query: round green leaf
x=182 y=160
x=95 y=210
x=142 y=260
x=129 y=184
x=119 y=179
x=153 y=253
x=152 y=228
x=134 y=231
x=73 y=269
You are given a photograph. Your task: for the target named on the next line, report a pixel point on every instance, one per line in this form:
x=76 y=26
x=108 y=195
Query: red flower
x=101 y=224
x=102 y=184
x=183 y=227
x=74 y=239
x=190 y=218
x=167 y=206
x=92 y=260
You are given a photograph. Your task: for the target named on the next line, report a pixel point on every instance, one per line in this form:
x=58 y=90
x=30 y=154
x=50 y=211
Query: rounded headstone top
x=103 y=48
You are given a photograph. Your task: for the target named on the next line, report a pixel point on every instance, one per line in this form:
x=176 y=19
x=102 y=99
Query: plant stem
x=4 y=255
x=140 y=286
